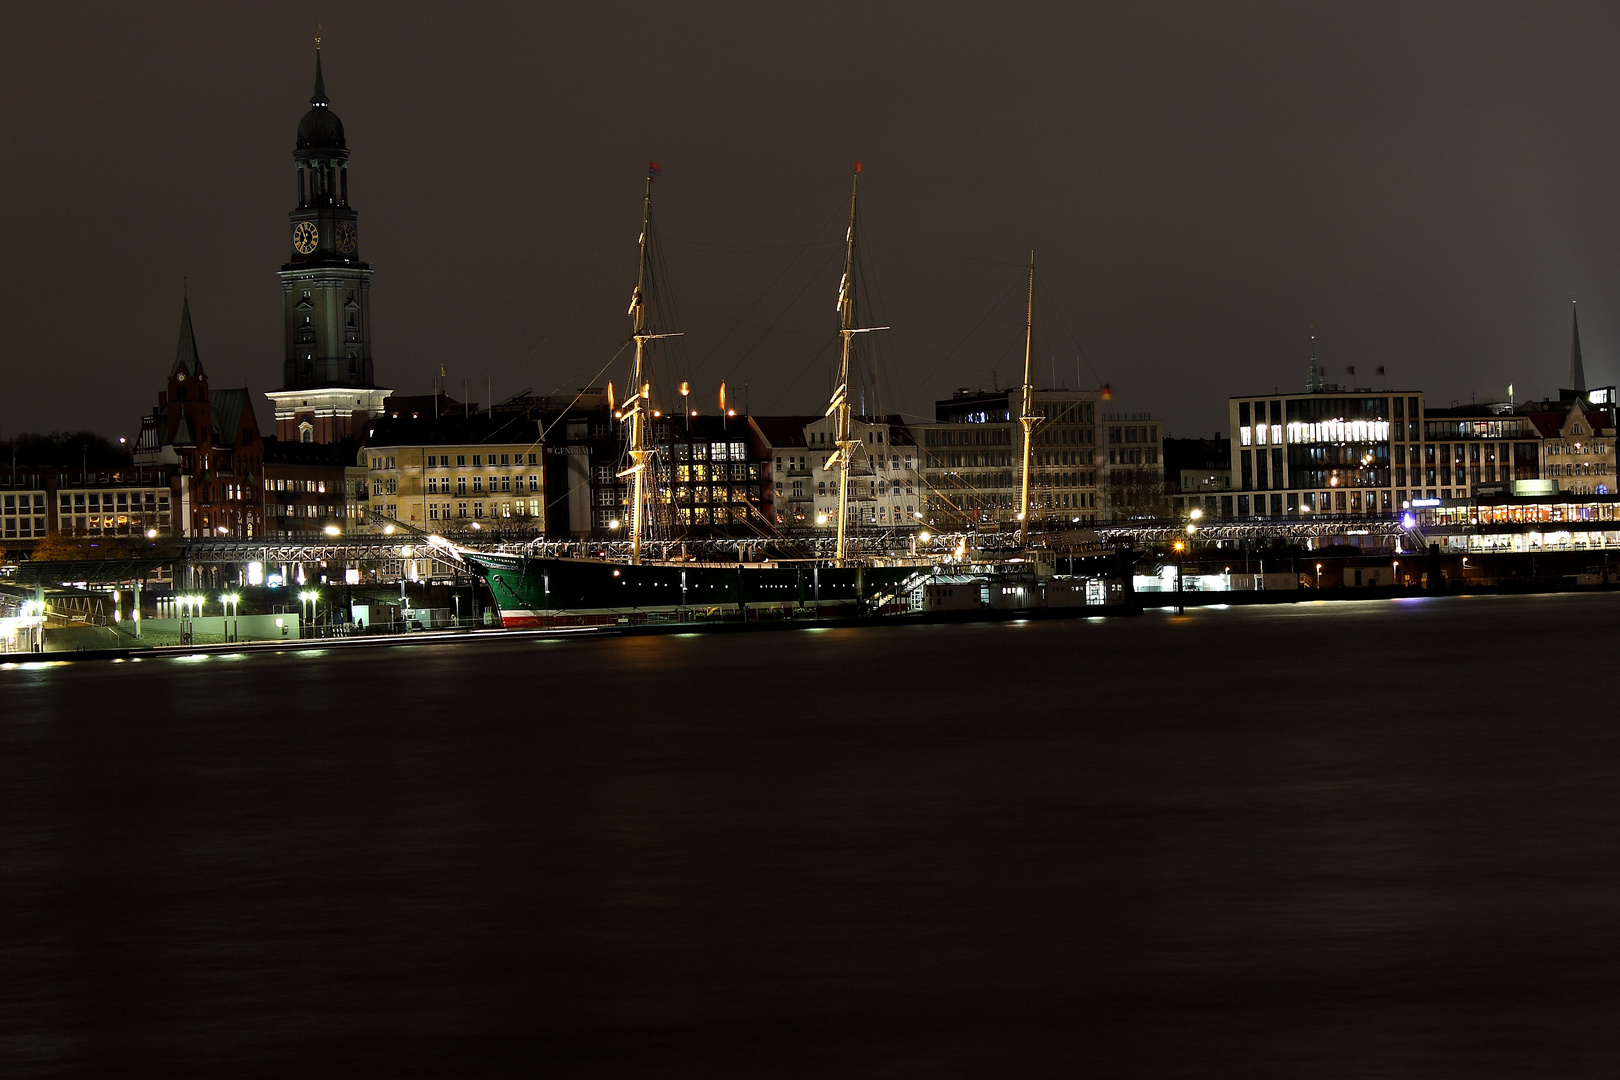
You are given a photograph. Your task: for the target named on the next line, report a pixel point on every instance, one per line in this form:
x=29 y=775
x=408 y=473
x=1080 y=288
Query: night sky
x=1428 y=186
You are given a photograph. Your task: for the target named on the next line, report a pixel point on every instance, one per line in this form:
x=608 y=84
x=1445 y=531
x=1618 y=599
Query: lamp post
x=1179 y=546
x=307 y=601
x=230 y=606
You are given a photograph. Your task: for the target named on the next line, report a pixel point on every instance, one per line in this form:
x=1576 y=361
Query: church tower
x=327 y=389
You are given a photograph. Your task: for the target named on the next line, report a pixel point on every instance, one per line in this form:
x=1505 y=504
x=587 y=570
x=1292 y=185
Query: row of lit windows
x=720 y=451
x=133 y=524
x=122 y=502
x=442 y=461
x=702 y=493
x=879 y=488
x=441 y=485
x=872 y=515
x=312 y=487
x=522 y=508
x=968 y=459
x=735 y=471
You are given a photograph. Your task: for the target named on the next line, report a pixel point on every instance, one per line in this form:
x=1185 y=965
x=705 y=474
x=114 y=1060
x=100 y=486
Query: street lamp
x=332 y=530
x=230 y=605
x=1318 y=575
x=306 y=601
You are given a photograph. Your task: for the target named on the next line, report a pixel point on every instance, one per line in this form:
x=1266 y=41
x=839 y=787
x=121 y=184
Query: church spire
x=185 y=354
x=1577 y=372
x=319 y=97
x=1314 y=382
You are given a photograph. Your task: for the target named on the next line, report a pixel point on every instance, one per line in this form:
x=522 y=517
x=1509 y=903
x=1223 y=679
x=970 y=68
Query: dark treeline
x=63 y=449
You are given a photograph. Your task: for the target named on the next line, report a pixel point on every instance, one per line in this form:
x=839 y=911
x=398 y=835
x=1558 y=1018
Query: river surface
x=1320 y=840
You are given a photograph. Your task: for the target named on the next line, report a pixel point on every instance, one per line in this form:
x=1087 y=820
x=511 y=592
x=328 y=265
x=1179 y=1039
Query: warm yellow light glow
x=1195 y=513
x=151 y=534
x=1179 y=545
x=332 y=530
x=388 y=530
x=925 y=536
x=821 y=519
x=614 y=524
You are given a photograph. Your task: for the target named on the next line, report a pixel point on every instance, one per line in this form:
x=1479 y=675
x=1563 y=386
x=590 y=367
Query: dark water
x=1345 y=840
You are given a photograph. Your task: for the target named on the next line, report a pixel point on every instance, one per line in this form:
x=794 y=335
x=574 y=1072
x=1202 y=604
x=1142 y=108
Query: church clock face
x=347 y=235
x=305 y=236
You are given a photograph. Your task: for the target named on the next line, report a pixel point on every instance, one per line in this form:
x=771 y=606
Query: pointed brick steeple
x=185 y=354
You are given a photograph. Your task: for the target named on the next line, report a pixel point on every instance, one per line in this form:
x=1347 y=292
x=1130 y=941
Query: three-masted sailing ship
x=534 y=590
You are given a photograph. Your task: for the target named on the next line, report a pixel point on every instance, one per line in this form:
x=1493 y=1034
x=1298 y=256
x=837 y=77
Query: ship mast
x=839 y=407
x=636 y=406
x=1026 y=416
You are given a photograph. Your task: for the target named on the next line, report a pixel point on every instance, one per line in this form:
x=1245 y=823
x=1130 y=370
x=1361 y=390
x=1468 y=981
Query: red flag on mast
x=857 y=166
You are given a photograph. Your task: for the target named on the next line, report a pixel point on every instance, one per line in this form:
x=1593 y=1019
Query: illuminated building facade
x=1577 y=450
x=306 y=490
x=885 y=478
x=444 y=474
x=1524 y=523
x=712 y=477
x=1133 y=483
x=971 y=458
x=1331 y=452
x=788 y=480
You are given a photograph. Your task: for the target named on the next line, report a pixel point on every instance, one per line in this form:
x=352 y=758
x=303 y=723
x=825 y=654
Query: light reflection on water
x=1325 y=839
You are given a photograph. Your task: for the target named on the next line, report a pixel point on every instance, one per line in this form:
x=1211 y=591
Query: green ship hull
x=532 y=591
